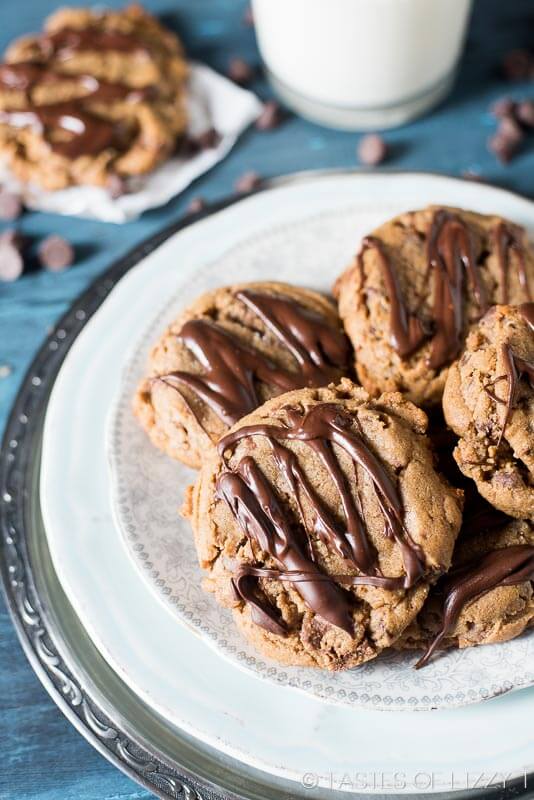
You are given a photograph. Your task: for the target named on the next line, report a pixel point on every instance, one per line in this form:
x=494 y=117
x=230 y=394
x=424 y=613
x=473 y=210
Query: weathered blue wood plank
x=43 y=758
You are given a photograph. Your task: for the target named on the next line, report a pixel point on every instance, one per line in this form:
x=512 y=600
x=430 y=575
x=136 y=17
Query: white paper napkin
x=213 y=102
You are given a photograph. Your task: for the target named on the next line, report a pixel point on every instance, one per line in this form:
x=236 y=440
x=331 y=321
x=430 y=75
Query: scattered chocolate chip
x=247 y=182
x=116 y=186
x=504 y=107
x=502 y=147
x=240 y=72
x=525 y=113
x=187 y=147
x=10 y=205
x=11 y=262
x=248 y=17
x=13 y=237
x=55 y=253
x=271 y=116
x=208 y=140
x=518 y=65
x=196 y=205
x=510 y=129
x=372 y=149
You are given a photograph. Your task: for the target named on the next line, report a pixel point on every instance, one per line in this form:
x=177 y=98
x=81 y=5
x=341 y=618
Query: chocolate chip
x=14 y=238
x=11 y=262
x=525 y=113
x=504 y=107
x=247 y=182
x=116 y=186
x=55 y=253
x=518 y=65
x=187 y=147
x=196 y=205
x=510 y=129
x=271 y=116
x=208 y=140
x=372 y=149
x=239 y=71
x=10 y=205
x=502 y=147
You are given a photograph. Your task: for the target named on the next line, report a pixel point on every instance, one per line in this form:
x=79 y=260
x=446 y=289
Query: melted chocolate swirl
x=507 y=567
x=452 y=265
x=70 y=128
x=233 y=369
x=255 y=505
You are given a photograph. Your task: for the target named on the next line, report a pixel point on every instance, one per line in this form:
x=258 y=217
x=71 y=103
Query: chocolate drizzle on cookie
x=28 y=75
x=527 y=312
x=72 y=129
x=258 y=511
x=452 y=265
x=515 y=369
x=406 y=330
x=506 y=567
x=450 y=254
x=508 y=239
x=87 y=134
x=233 y=369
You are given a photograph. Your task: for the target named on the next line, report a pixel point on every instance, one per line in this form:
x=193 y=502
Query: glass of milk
x=361 y=64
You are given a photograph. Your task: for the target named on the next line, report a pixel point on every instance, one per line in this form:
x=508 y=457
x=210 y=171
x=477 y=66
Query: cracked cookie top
x=321 y=521
x=95 y=94
x=230 y=351
x=489 y=403
x=418 y=285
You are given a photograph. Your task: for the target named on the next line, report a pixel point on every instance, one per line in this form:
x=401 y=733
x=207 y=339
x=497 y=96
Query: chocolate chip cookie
x=230 y=351
x=321 y=522
x=487 y=597
x=489 y=403
x=97 y=94
x=416 y=288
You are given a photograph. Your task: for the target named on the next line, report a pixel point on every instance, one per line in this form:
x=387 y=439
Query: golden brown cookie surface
x=321 y=521
x=418 y=285
x=96 y=94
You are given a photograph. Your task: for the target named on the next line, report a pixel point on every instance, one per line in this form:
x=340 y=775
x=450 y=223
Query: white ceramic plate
x=177 y=673
x=148 y=487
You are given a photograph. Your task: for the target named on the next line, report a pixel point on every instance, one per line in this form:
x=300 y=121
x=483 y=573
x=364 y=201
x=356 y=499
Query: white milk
x=361 y=63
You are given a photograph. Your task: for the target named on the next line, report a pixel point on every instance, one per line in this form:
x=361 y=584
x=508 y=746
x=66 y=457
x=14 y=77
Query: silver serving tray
x=163 y=758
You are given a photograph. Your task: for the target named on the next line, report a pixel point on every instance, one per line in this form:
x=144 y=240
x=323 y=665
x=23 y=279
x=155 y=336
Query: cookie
x=486 y=598
x=416 y=288
x=97 y=94
x=230 y=351
x=321 y=522
x=489 y=403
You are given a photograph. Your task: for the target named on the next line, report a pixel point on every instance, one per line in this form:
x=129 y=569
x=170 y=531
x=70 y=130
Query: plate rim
x=16 y=571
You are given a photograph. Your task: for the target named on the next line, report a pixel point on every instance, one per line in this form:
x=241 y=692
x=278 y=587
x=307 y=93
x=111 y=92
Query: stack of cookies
x=97 y=97
x=367 y=472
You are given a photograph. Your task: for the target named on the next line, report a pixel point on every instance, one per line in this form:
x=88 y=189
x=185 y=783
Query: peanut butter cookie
x=321 y=522
x=489 y=403
x=230 y=351
x=418 y=285
x=486 y=598
x=98 y=93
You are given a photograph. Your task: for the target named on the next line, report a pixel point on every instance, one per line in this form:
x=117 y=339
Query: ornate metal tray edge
x=19 y=451
x=31 y=618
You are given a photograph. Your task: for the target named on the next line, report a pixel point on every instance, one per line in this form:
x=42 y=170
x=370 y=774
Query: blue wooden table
x=42 y=756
